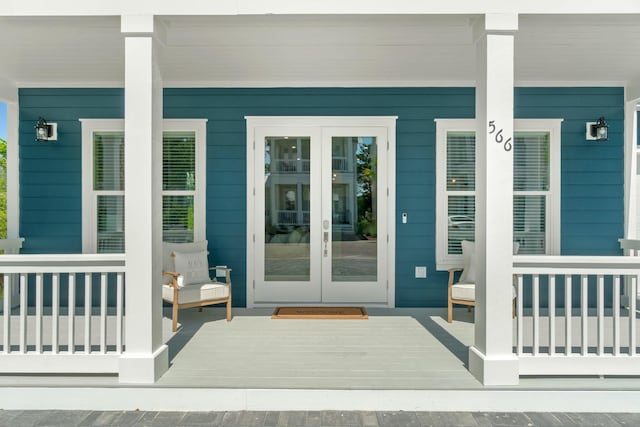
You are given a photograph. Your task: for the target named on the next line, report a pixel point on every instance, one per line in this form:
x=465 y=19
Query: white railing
x=70 y=314
x=293 y=217
x=580 y=328
x=340 y=164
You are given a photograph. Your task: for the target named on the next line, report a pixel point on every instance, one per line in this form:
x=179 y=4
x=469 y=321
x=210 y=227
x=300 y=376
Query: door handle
x=326 y=243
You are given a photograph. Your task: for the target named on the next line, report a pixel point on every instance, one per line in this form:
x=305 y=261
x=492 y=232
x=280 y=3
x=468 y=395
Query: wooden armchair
x=463 y=291
x=187 y=282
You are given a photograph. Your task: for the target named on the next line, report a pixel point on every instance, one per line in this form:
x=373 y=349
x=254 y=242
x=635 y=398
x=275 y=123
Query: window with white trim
x=536 y=187
x=183 y=183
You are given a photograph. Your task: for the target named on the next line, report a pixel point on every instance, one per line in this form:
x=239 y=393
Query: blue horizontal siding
x=592 y=173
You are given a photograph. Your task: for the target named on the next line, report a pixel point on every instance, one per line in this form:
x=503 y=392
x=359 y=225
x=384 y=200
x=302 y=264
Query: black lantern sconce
x=46 y=131
x=598 y=131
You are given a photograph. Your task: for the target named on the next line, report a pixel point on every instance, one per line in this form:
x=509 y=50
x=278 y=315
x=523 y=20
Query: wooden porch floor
x=393 y=349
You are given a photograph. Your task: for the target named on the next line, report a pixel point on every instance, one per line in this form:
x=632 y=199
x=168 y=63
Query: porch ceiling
x=319 y=50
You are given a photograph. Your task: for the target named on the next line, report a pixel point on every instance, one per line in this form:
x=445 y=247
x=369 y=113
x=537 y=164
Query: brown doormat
x=320 y=313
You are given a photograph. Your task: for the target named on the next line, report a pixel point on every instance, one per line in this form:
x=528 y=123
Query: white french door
x=320 y=218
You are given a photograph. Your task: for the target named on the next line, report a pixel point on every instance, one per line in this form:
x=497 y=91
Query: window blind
x=177 y=219
x=179 y=185
x=108 y=177
x=531 y=185
x=110 y=224
x=179 y=161
x=531 y=177
x=461 y=161
x=108 y=161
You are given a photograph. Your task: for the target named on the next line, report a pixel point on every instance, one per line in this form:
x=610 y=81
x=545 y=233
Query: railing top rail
x=62 y=263
x=629 y=244
x=553 y=264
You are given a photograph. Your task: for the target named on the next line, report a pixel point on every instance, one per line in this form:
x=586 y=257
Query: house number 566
x=499 y=137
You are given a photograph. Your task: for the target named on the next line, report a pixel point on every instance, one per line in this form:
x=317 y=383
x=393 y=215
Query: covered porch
x=179 y=66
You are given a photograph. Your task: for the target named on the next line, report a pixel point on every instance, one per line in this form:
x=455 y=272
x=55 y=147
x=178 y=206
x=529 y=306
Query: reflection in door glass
x=354 y=209
x=287 y=205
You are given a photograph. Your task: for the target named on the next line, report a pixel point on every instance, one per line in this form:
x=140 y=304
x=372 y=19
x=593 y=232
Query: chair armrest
x=174 y=278
x=227 y=273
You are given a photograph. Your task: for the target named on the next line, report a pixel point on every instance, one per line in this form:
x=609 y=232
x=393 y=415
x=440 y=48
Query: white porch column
x=146 y=357
x=491 y=359
x=9 y=95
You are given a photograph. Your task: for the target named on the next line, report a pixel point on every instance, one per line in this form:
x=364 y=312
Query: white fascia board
x=358 y=7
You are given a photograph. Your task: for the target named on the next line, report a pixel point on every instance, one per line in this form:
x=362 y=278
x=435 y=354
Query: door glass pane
x=110 y=224
x=286 y=203
x=354 y=209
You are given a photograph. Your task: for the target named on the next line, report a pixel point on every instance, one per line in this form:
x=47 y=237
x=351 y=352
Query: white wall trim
x=200 y=195
x=631 y=169
x=318 y=122
x=89 y=127
x=445 y=261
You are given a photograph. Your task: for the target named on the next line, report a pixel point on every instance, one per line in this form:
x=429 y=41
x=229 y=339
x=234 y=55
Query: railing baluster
x=103 y=313
x=568 y=283
x=87 y=313
x=6 y=339
x=55 y=312
x=632 y=316
x=600 y=282
x=520 y=321
x=536 y=314
x=584 y=312
x=616 y=315
x=23 y=313
x=38 y=319
x=119 y=294
x=71 y=312
x=552 y=314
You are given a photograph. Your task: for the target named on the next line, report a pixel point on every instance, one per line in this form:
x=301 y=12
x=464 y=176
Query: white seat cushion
x=464 y=291
x=467 y=291
x=193 y=293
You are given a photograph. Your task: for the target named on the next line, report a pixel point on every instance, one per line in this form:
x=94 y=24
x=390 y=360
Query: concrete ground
x=314 y=419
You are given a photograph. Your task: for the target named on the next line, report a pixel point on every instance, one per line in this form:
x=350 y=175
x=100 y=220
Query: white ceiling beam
x=358 y=7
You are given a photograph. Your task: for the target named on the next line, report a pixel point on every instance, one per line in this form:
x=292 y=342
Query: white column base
x=503 y=370
x=143 y=368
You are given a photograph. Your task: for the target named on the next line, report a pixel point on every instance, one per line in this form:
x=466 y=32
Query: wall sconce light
x=597 y=131
x=46 y=131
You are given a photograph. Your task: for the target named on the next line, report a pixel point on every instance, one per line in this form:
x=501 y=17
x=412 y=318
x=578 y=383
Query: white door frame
x=388 y=122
